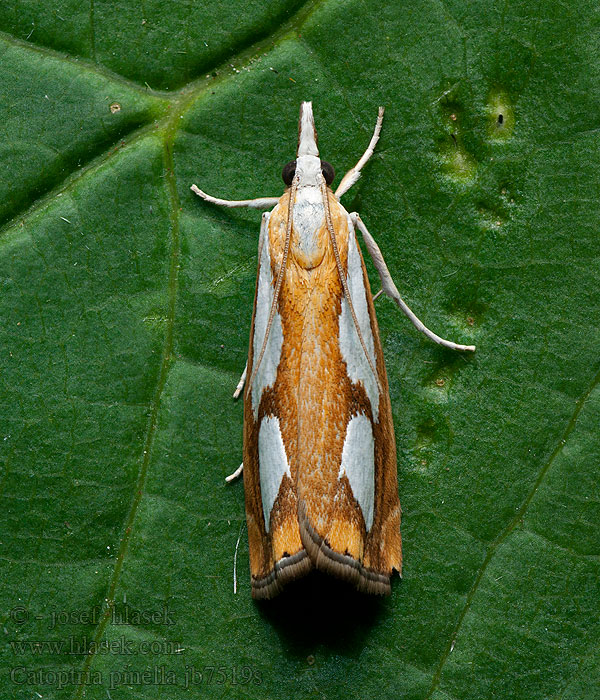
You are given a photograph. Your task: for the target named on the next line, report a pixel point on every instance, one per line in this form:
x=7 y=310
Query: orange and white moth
x=319 y=451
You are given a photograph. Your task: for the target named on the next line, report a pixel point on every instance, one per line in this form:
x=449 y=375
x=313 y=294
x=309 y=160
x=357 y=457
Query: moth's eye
x=328 y=171
x=288 y=172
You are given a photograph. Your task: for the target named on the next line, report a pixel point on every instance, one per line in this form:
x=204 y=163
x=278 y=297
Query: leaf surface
x=126 y=311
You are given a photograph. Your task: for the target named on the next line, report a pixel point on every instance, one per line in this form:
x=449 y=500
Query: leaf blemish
x=426 y=438
x=501 y=119
x=458 y=163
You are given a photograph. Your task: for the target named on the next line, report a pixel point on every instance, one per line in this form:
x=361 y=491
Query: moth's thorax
x=308 y=242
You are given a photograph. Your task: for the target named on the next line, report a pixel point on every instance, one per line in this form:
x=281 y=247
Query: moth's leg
x=235 y=474
x=354 y=173
x=261 y=203
x=240 y=386
x=390 y=289
x=237 y=544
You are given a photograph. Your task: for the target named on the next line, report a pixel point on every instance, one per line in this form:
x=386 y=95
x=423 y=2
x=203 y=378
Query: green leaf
x=126 y=311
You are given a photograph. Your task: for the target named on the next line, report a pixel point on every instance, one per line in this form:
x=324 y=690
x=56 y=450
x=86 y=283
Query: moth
x=319 y=458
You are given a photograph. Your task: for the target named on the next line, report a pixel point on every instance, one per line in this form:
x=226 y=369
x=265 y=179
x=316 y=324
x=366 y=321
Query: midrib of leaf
x=493 y=547
x=173 y=197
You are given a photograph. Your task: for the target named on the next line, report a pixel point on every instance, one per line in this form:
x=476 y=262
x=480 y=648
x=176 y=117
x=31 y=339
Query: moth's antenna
x=343 y=280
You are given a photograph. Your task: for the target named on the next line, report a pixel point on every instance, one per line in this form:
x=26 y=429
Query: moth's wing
x=277 y=554
x=349 y=511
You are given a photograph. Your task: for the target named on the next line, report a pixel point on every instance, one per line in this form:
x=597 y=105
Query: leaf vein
x=516 y=519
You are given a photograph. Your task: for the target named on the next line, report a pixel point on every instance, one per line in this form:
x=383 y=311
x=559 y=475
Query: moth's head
x=308 y=169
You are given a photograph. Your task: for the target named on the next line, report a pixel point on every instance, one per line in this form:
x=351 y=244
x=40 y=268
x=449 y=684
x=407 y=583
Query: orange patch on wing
x=346 y=537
